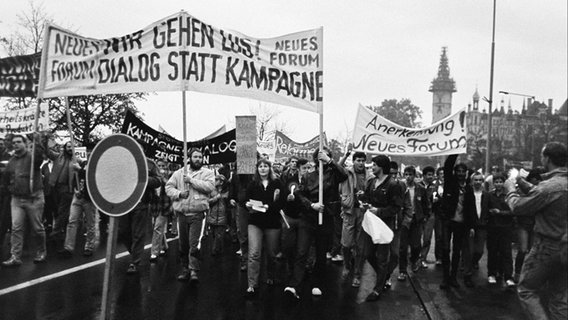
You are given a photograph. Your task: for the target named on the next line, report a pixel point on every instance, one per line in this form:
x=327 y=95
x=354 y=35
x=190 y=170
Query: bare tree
x=267 y=122
x=29 y=36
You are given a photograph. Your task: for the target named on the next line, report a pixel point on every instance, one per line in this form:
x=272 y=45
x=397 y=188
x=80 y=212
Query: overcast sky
x=373 y=50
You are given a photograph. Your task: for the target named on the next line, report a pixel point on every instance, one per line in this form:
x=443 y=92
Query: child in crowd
x=217 y=218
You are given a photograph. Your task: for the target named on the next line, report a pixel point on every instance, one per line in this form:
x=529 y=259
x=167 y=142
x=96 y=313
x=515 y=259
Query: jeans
x=499 y=254
x=453 y=233
x=473 y=250
x=256 y=235
x=308 y=234
x=80 y=207
x=427 y=231
x=543 y=271
x=132 y=232
x=352 y=241
x=525 y=239
x=410 y=237
x=32 y=209
x=189 y=233
x=5 y=217
x=159 y=229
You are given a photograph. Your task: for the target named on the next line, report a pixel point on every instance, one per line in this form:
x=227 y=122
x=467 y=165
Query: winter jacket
x=348 y=190
x=218 y=213
x=17 y=174
x=388 y=198
x=271 y=218
x=471 y=220
x=548 y=202
x=199 y=191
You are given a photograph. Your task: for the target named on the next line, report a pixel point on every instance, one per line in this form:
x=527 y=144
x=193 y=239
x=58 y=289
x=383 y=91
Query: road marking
x=59 y=274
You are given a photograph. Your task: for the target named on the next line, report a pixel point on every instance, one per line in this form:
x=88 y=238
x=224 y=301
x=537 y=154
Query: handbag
x=377 y=229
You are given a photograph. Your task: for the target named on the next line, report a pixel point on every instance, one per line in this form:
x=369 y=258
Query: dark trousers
x=410 y=237
x=63 y=202
x=336 y=238
x=499 y=252
x=543 y=274
x=218 y=238
x=290 y=240
x=378 y=256
x=5 y=218
x=473 y=249
x=133 y=227
x=242 y=232
x=453 y=234
x=308 y=233
x=438 y=238
x=394 y=251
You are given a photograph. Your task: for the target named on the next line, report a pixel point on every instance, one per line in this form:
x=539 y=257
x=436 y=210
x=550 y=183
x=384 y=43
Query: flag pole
x=183 y=99
x=36 y=124
x=320 y=191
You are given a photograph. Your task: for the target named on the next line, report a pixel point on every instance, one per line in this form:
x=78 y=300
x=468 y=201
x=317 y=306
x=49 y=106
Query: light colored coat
x=199 y=190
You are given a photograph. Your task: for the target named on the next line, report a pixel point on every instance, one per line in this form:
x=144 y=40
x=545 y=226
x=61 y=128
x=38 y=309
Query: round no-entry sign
x=117 y=174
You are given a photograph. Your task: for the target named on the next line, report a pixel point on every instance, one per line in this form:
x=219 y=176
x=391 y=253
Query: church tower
x=442 y=88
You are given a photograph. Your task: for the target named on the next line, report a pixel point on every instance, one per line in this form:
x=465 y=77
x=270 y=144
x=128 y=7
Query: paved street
x=71 y=289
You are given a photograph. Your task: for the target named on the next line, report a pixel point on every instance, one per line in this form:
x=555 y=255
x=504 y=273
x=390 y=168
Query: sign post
x=117 y=175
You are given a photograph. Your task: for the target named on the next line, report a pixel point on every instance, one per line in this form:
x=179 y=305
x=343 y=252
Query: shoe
x=64 y=253
x=337 y=258
x=454 y=283
x=239 y=252
x=402 y=276
x=243 y=267
x=438 y=262
x=12 y=262
x=356 y=282
x=87 y=253
x=193 y=276
x=388 y=284
x=374 y=296
x=328 y=255
x=510 y=283
x=251 y=292
x=153 y=258
x=492 y=280
x=163 y=253
x=184 y=275
x=468 y=283
x=132 y=269
x=423 y=265
x=416 y=266
x=316 y=292
x=40 y=258
x=291 y=292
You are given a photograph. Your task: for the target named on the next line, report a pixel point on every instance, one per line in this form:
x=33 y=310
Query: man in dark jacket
x=61 y=184
x=452 y=218
x=134 y=225
x=384 y=198
x=476 y=213
x=27 y=199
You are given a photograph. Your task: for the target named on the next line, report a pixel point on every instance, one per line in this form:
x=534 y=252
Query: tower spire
x=442 y=88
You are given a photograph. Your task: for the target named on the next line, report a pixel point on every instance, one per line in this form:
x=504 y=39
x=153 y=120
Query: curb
x=429 y=307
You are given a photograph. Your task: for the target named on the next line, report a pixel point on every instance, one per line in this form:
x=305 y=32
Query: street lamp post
x=490 y=100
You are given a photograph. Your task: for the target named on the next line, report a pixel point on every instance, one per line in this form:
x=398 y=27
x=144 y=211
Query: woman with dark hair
x=264 y=222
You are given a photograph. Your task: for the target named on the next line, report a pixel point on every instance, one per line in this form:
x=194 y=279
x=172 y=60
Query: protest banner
x=286 y=147
x=158 y=145
x=215 y=133
x=376 y=135
x=246 y=144
x=23 y=120
x=19 y=75
x=183 y=53
x=267 y=148
x=81 y=153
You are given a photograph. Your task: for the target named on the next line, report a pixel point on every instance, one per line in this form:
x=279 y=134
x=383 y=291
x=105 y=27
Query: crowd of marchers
x=277 y=216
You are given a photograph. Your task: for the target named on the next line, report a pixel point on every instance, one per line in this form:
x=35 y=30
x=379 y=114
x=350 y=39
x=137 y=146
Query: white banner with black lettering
x=376 y=135
x=181 y=52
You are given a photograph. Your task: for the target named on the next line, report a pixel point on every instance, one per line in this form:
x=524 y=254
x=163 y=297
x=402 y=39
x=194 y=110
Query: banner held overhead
x=181 y=52
x=376 y=135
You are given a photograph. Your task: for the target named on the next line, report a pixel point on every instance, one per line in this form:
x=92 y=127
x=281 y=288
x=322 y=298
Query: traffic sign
x=117 y=174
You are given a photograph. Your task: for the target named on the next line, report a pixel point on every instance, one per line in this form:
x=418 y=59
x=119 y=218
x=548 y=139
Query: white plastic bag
x=378 y=230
